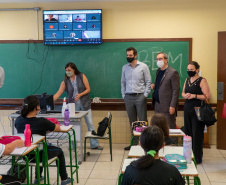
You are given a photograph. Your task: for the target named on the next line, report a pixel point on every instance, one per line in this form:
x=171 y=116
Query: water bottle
x=64 y=106
x=66 y=117
x=27 y=136
x=187 y=148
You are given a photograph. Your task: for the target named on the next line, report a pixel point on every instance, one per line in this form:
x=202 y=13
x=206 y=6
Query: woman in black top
x=193 y=91
x=41 y=126
x=149 y=169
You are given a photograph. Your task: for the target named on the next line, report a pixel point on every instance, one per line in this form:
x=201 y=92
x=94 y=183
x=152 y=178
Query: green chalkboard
x=27 y=65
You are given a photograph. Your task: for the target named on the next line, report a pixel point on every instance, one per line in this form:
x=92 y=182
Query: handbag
x=136 y=124
x=205 y=113
x=8 y=139
x=223 y=115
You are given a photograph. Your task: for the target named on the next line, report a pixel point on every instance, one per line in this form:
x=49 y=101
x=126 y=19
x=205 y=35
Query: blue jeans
x=89 y=122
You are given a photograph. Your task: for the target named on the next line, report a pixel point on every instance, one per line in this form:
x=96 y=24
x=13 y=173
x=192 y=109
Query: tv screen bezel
x=68 y=44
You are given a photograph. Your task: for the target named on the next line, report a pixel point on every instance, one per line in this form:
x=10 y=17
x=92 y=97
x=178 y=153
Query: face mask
x=69 y=73
x=160 y=64
x=191 y=73
x=130 y=59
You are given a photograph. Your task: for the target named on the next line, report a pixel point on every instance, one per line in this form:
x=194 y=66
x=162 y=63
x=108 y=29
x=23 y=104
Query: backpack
x=7 y=179
x=23 y=173
x=8 y=139
x=103 y=125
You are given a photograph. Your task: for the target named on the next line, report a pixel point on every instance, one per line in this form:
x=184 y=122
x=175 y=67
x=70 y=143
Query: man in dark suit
x=166 y=89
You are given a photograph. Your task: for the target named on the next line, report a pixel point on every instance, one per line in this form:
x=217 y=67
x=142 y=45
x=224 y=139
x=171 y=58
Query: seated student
x=160 y=121
x=41 y=126
x=5 y=150
x=149 y=169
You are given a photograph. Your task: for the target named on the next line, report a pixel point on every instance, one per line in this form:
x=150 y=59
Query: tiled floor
x=99 y=170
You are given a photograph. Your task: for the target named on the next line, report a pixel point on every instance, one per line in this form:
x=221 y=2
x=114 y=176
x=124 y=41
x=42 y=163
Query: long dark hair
x=73 y=66
x=30 y=103
x=160 y=121
x=151 y=138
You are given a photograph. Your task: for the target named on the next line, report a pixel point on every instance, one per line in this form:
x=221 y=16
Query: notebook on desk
x=175 y=131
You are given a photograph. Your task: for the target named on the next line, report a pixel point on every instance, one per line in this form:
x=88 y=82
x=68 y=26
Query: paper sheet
x=175 y=131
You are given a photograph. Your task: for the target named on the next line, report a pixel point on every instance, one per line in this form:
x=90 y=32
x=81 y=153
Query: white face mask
x=160 y=64
x=69 y=73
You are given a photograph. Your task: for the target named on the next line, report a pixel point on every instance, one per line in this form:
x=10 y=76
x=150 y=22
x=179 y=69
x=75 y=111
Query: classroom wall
x=200 y=20
x=119 y=126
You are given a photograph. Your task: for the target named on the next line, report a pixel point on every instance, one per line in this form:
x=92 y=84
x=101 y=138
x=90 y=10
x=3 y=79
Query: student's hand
x=187 y=95
x=191 y=96
x=19 y=143
x=152 y=86
x=171 y=110
x=77 y=97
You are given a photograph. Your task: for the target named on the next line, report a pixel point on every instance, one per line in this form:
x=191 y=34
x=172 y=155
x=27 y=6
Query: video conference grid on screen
x=66 y=27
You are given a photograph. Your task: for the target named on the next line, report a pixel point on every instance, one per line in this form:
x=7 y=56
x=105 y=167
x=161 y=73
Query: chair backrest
x=109 y=119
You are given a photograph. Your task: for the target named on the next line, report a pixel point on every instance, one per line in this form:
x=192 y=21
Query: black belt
x=133 y=94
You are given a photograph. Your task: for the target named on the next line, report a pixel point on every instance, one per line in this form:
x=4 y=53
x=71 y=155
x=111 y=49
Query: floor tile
x=86 y=165
x=207 y=152
x=84 y=174
x=203 y=177
x=107 y=165
x=101 y=182
x=217 y=177
x=104 y=174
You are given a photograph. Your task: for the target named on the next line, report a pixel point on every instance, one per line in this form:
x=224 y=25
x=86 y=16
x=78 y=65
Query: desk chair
x=106 y=136
x=45 y=164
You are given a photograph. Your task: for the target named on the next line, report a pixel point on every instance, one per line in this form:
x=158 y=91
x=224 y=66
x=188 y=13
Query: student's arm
x=86 y=83
x=57 y=128
x=205 y=90
x=185 y=95
x=147 y=78
x=123 y=83
x=11 y=146
x=60 y=91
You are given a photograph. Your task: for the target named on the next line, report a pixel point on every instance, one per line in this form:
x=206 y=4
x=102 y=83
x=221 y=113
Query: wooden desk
x=20 y=153
x=137 y=151
x=35 y=138
x=191 y=171
x=172 y=133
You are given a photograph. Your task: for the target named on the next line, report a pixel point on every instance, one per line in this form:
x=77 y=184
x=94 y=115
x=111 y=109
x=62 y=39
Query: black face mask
x=191 y=73
x=130 y=59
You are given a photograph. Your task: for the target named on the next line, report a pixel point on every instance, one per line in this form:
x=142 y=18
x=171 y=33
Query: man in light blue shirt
x=135 y=87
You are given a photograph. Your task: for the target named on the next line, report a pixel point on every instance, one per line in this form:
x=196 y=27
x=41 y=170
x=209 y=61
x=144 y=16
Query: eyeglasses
x=159 y=59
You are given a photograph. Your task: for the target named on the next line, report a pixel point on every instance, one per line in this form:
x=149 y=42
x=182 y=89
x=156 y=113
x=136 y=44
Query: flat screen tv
x=72 y=27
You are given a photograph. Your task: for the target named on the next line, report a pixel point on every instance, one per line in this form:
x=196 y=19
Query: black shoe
x=127 y=148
